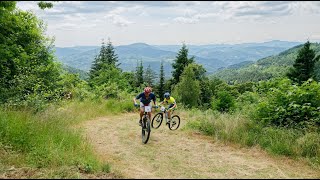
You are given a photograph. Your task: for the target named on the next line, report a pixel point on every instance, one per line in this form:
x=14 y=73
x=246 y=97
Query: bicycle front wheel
x=156 y=121
x=146 y=130
x=174 y=123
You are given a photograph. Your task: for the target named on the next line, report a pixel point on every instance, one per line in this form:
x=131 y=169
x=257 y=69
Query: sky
x=86 y=23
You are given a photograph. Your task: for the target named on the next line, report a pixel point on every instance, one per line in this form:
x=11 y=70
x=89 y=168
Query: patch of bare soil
x=181 y=154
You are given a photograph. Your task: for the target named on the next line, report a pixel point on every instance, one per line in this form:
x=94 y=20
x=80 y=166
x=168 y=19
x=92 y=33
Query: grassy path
x=181 y=154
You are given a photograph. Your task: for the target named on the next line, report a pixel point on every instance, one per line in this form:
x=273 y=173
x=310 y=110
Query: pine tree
x=139 y=74
x=149 y=76
x=98 y=61
x=161 y=87
x=112 y=58
x=303 y=68
x=180 y=63
x=105 y=61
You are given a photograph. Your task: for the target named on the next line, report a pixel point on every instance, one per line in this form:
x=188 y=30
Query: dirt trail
x=181 y=154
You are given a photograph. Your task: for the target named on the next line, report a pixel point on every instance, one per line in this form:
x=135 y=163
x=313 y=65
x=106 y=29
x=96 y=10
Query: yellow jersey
x=169 y=101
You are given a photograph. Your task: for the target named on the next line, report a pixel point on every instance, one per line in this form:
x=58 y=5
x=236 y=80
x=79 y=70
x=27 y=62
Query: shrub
x=291 y=106
x=225 y=102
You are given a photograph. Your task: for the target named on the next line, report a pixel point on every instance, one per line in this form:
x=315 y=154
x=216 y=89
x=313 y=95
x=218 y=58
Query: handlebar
x=138 y=105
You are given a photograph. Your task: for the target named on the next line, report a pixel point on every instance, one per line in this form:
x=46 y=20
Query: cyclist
x=169 y=100
x=145 y=100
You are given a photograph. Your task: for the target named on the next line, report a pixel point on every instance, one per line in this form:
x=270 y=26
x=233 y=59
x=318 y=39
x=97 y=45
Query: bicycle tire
x=146 y=130
x=174 y=122
x=155 y=119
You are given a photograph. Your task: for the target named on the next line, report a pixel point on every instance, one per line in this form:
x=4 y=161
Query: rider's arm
x=174 y=105
x=135 y=99
x=154 y=100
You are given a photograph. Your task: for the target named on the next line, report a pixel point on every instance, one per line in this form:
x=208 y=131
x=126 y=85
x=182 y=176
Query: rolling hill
x=212 y=57
x=265 y=68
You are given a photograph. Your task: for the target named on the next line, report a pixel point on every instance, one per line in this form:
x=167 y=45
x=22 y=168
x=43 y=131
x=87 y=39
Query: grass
x=238 y=128
x=47 y=140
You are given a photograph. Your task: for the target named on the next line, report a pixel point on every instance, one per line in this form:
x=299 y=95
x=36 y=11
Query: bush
x=291 y=106
x=225 y=102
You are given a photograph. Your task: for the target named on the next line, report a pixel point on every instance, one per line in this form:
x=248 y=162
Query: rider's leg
x=141 y=112
x=149 y=114
x=169 y=112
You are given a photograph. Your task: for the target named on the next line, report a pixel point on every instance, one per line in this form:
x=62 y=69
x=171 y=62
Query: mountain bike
x=145 y=125
x=158 y=118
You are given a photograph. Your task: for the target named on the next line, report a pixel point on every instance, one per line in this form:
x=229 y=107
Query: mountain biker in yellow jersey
x=145 y=100
x=169 y=100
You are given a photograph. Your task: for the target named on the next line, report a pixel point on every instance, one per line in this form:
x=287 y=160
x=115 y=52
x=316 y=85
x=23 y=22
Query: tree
x=27 y=65
x=112 y=58
x=180 y=63
x=105 y=61
x=187 y=91
x=199 y=74
x=161 y=86
x=303 y=68
x=149 y=76
x=139 y=74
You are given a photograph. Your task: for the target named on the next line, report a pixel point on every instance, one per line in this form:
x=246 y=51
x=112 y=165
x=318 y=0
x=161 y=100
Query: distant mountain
x=237 y=53
x=265 y=68
x=212 y=56
x=82 y=74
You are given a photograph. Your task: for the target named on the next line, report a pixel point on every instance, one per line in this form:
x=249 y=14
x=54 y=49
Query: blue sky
x=85 y=23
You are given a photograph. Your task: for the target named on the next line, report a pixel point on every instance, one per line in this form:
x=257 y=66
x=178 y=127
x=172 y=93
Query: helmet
x=166 y=95
x=147 y=90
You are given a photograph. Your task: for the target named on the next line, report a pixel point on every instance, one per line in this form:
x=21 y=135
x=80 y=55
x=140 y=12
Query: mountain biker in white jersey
x=145 y=100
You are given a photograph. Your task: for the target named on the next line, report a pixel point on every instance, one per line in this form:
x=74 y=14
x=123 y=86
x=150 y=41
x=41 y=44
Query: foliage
x=139 y=74
x=180 y=63
x=27 y=67
x=161 y=84
x=104 y=65
x=44 y=5
x=224 y=102
x=149 y=76
x=303 y=68
x=187 y=91
x=291 y=106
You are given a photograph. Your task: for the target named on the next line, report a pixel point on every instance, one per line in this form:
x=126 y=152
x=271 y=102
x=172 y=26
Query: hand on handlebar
x=136 y=105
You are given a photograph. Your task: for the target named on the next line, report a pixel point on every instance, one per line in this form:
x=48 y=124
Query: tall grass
x=240 y=129
x=48 y=140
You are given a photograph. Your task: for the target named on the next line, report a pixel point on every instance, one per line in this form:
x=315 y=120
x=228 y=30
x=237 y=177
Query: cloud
x=119 y=20
x=186 y=20
x=256 y=9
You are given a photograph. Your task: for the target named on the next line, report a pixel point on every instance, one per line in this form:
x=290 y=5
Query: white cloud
x=186 y=20
x=161 y=21
x=119 y=20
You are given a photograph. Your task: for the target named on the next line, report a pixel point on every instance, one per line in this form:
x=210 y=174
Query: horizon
x=318 y=41
x=86 y=23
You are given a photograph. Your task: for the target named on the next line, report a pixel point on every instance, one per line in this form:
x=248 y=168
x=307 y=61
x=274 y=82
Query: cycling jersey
x=144 y=100
x=169 y=101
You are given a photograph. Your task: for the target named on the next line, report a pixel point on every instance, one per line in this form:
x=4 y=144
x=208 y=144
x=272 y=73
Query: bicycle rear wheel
x=157 y=120
x=146 y=130
x=174 y=123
